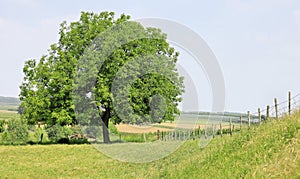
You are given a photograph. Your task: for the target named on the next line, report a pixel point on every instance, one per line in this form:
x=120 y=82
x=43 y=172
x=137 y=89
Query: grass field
x=272 y=150
x=6 y=115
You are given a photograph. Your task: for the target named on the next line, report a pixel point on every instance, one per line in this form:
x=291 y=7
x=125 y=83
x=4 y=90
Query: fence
x=236 y=123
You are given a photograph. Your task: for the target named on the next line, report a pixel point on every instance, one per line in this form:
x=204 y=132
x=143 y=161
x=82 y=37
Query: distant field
x=9 y=108
x=269 y=151
x=6 y=115
x=185 y=121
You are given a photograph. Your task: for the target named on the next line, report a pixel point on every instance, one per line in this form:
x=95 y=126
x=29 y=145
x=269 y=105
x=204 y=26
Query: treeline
x=9 y=101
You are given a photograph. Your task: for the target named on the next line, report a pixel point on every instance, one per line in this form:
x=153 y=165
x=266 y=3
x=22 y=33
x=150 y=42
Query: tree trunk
x=105 y=121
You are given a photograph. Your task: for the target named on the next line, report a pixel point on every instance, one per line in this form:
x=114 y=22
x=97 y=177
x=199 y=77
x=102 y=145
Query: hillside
x=9 y=101
x=271 y=150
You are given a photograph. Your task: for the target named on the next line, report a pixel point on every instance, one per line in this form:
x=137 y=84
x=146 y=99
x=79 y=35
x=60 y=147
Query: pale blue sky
x=257 y=42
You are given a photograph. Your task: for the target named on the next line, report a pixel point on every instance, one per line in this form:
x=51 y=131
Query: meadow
x=270 y=151
x=7 y=115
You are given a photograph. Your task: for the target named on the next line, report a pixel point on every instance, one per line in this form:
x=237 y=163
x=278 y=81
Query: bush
x=59 y=133
x=17 y=132
x=39 y=135
x=2 y=123
x=113 y=129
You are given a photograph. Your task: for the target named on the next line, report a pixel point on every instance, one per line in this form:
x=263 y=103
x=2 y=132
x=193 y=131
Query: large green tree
x=100 y=70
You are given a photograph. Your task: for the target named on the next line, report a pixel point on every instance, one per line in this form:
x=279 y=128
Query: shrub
x=59 y=133
x=2 y=128
x=17 y=132
x=113 y=129
x=40 y=135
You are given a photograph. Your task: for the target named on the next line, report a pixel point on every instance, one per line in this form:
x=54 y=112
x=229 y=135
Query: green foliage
x=17 y=132
x=48 y=86
x=113 y=129
x=38 y=132
x=2 y=123
x=46 y=91
x=58 y=133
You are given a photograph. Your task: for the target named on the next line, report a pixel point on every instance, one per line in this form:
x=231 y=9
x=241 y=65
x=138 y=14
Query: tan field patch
x=182 y=126
x=147 y=129
x=9 y=112
x=139 y=129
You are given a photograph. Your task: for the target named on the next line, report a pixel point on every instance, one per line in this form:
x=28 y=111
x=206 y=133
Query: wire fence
x=278 y=110
x=234 y=123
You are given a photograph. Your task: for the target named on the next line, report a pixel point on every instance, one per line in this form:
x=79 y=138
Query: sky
x=256 y=42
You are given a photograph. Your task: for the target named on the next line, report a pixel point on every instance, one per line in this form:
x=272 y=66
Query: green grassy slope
x=272 y=150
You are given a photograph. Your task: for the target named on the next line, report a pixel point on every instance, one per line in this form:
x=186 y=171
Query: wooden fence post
x=179 y=135
x=259 y=116
x=290 y=100
x=194 y=134
x=175 y=135
x=268 y=112
x=145 y=139
x=221 y=130
x=230 y=124
x=213 y=131
x=248 y=119
x=276 y=107
x=241 y=122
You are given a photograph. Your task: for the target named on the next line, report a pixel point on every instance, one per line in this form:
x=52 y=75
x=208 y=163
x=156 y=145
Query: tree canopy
x=117 y=68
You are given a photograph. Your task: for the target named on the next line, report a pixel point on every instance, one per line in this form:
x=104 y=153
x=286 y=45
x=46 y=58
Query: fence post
x=259 y=116
x=145 y=139
x=290 y=99
x=213 y=130
x=276 y=107
x=230 y=124
x=221 y=130
x=241 y=122
x=158 y=135
x=248 y=119
x=194 y=134
x=268 y=112
x=175 y=135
